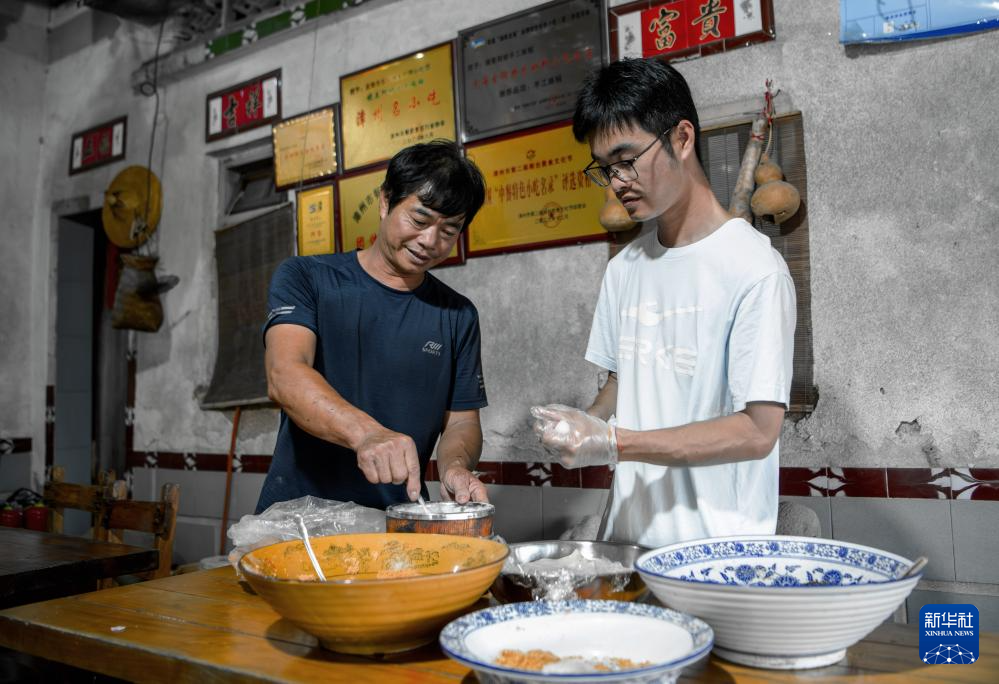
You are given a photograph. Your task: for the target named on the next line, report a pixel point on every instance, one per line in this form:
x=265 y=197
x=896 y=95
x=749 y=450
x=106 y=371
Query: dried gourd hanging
x=613 y=216
x=773 y=196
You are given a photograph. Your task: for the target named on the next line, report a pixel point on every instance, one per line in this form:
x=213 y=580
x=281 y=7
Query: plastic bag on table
x=322 y=517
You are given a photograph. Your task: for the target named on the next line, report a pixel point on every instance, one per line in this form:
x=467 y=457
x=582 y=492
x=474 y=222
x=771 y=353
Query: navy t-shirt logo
x=433 y=348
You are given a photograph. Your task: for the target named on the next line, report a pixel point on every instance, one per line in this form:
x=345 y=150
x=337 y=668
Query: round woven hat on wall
x=132 y=206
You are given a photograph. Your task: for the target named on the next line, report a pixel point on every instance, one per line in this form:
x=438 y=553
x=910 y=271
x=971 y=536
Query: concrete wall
x=902 y=209
x=22 y=75
x=902 y=214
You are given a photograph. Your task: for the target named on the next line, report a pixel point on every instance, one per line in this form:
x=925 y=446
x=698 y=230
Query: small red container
x=10 y=517
x=36 y=518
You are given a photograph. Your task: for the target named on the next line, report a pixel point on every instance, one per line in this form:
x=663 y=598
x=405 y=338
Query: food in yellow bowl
x=384 y=592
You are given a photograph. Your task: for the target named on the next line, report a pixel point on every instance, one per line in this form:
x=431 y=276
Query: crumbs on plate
x=538 y=660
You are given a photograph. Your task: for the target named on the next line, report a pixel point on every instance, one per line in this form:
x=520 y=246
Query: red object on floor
x=36 y=518
x=10 y=517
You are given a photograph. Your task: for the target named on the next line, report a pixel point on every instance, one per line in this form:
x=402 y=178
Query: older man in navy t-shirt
x=372 y=359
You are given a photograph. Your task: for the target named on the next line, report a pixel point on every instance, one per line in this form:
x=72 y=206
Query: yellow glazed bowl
x=384 y=592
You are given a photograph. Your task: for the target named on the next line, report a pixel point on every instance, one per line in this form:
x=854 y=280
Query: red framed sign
x=97 y=146
x=244 y=106
x=687 y=28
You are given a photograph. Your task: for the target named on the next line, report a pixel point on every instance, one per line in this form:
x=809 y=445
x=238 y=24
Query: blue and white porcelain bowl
x=658 y=641
x=780 y=602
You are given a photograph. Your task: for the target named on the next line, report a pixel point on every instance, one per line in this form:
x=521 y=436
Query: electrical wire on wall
x=151 y=89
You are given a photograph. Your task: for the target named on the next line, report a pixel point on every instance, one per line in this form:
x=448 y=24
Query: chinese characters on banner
x=315 y=221
x=397 y=104
x=254 y=103
x=526 y=69
x=99 y=145
x=536 y=193
x=683 y=27
x=359 y=217
x=305 y=148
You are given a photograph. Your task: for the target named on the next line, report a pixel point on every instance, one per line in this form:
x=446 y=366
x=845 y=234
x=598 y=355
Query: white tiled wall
x=976 y=541
x=196 y=538
x=960 y=539
x=564 y=507
x=988 y=606
x=908 y=527
x=518 y=512
x=202 y=496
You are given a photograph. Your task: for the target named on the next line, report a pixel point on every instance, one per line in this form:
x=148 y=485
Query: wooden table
x=206 y=626
x=36 y=566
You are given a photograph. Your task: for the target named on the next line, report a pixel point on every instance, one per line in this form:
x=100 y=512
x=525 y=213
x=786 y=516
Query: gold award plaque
x=315 y=221
x=397 y=104
x=536 y=192
x=304 y=148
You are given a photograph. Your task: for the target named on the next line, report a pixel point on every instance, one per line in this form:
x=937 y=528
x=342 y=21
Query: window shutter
x=246 y=256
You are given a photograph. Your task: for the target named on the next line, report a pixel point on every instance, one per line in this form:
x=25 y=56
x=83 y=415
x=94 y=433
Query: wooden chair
x=158 y=518
x=60 y=495
x=113 y=513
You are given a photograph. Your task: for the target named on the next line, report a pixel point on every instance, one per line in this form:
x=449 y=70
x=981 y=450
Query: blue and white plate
x=593 y=631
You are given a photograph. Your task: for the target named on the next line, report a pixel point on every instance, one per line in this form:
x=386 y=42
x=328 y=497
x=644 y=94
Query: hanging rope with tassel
x=773 y=197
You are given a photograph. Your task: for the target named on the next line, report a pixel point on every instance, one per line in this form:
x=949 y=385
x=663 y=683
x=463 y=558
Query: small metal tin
x=473 y=519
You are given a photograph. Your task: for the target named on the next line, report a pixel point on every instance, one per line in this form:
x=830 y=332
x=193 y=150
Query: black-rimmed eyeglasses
x=623 y=170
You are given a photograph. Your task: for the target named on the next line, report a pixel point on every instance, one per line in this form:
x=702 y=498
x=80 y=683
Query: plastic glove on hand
x=575 y=437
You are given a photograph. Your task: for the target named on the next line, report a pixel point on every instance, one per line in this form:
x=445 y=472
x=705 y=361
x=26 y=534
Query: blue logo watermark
x=948 y=634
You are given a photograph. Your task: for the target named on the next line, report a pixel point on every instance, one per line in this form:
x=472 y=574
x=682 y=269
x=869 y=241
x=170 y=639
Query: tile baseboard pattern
x=15 y=445
x=967 y=483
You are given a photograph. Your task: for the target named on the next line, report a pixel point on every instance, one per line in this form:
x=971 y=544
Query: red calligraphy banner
x=710 y=20
x=664 y=29
x=685 y=28
x=98 y=145
x=676 y=26
x=244 y=106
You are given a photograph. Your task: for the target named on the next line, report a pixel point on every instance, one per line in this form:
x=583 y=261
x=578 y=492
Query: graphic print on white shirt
x=647 y=345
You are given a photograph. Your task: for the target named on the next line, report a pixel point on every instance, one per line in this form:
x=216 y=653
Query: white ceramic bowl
x=592 y=630
x=779 y=602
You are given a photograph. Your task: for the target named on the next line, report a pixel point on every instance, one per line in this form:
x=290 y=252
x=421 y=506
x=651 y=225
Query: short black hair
x=440 y=176
x=646 y=92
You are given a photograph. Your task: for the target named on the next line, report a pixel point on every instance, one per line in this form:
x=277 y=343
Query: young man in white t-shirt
x=695 y=323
